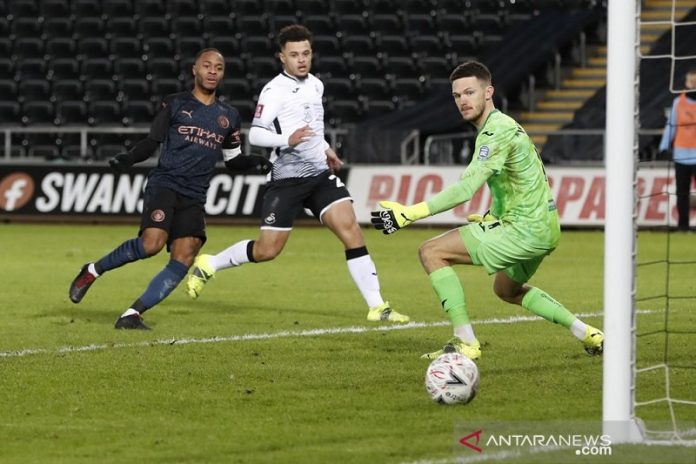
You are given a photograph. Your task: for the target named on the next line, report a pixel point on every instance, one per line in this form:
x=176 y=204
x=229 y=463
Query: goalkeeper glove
x=251 y=164
x=396 y=216
x=485 y=217
x=121 y=162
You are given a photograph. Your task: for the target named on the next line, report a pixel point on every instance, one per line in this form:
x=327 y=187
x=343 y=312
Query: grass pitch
x=275 y=363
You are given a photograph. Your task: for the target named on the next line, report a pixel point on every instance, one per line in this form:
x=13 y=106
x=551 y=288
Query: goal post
x=618 y=417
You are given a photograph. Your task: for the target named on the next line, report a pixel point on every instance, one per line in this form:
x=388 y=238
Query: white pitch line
x=269 y=336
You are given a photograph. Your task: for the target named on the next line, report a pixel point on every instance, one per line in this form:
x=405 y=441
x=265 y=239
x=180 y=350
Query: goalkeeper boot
x=200 y=275
x=132 y=321
x=81 y=283
x=384 y=312
x=593 y=342
x=471 y=350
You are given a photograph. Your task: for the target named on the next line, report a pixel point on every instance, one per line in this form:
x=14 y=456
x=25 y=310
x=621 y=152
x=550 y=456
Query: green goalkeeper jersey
x=505 y=158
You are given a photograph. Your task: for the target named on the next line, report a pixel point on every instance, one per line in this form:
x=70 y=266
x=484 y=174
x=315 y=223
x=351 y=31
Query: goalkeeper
x=511 y=240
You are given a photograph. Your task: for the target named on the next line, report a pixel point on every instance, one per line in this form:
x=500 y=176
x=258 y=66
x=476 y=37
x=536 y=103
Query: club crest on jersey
x=259 y=110
x=157 y=215
x=223 y=122
x=483 y=153
x=307 y=112
x=270 y=219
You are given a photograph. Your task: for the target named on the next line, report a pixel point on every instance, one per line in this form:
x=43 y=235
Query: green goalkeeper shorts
x=498 y=247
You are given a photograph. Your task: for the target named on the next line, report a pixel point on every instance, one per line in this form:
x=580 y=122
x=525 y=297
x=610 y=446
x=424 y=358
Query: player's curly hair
x=471 y=69
x=293 y=33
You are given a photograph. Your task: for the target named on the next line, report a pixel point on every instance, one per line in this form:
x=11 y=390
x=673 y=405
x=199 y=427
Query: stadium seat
x=245 y=107
x=386 y=24
x=359 y=45
x=339 y=88
x=89 y=27
x=23 y=9
x=435 y=67
x=264 y=67
x=32 y=68
x=235 y=88
x=163 y=87
x=150 y=8
x=251 y=25
x=104 y=113
x=96 y=68
x=183 y=8
x=344 y=7
x=384 y=6
x=61 y=47
x=67 y=89
x=373 y=88
x=280 y=7
x=118 y=9
x=216 y=8
x=367 y=67
x=488 y=23
x=34 y=90
x=120 y=27
x=453 y=23
x=319 y=24
x=343 y=111
x=38 y=112
x=100 y=89
x=7 y=67
x=54 y=8
x=235 y=67
x=280 y=21
x=5 y=47
x=74 y=151
x=159 y=47
x=138 y=112
x=228 y=45
x=92 y=47
x=330 y=66
x=55 y=27
x=426 y=45
x=400 y=67
x=377 y=107
x=421 y=24
x=154 y=26
x=28 y=47
x=257 y=46
x=163 y=68
x=409 y=88
x=394 y=45
x=326 y=45
x=71 y=112
x=9 y=112
x=4 y=27
x=65 y=68
x=248 y=7
x=186 y=26
x=44 y=152
x=418 y=6
x=86 y=8
x=8 y=89
x=462 y=44
x=104 y=152
x=189 y=46
x=353 y=24
x=26 y=27
x=126 y=47
x=218 y=26
x=135 y=89
x=130 y=68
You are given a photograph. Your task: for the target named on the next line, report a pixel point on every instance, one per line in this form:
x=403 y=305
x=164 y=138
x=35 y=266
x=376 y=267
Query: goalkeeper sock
x=161 y=286
x=127 y=252
x=540 y=303
x=446 y=284
x=364 y=274
x=236 y=255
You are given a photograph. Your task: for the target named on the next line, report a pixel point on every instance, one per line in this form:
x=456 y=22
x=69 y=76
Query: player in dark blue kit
x=194 y=129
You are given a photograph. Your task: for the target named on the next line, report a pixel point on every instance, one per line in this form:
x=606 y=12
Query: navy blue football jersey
x=192 y=135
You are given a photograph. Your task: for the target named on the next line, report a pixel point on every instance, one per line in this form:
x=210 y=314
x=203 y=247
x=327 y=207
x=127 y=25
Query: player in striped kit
x=289 y=118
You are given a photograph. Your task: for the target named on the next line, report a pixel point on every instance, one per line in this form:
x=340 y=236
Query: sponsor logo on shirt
x=483 y=153
x=259 y=110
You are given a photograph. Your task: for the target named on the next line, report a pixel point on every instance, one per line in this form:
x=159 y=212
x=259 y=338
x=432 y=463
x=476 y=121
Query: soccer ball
x=452 y=378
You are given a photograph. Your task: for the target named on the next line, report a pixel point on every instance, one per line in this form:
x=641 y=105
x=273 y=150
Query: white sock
x=465 y=333
x=129 y=311
x=578 y=328
x=364 y=274
x=92 y=270
x=236 y=255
